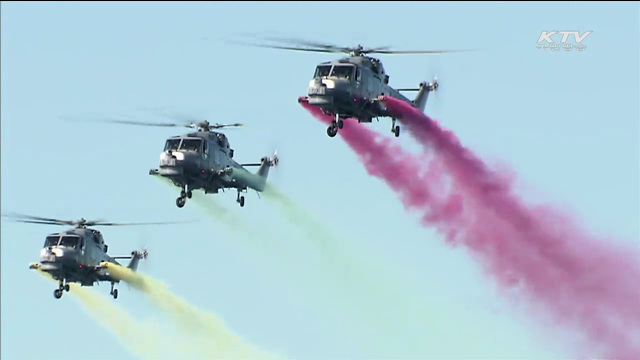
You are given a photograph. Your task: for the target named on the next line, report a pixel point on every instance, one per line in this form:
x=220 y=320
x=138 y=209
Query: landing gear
x=395 y=129
x=57 y=293
x=240 y=199
x=114 y=292
x=184 y=194
x=336 y=124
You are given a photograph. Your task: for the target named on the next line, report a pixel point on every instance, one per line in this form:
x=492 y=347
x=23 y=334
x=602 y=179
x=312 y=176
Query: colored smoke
x=340 y=285
x=207 y=332
x=581 y=281
x=139 y=338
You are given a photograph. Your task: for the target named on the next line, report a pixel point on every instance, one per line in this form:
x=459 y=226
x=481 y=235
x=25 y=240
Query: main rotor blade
x=17 y=217
x=50 y=221
x=308 y=43
x=414 y=52
x=314 y=46
x=92 y=223
x=377 y=48
x=218 y=126
x=40 y=222
x=287 y=47
x=142 y=123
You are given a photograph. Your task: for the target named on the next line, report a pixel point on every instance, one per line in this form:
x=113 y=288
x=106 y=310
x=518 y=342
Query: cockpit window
x=172 y=144
x=71 y=242
x=191 y=144
x=322 y=71
x=342 y=71
x=51 y=241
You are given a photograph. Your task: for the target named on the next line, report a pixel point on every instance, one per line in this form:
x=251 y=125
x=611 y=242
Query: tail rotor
x=143 y=253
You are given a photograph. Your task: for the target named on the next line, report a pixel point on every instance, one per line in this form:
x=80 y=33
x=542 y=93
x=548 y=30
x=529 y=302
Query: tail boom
x=135 y=257
x=256 y=181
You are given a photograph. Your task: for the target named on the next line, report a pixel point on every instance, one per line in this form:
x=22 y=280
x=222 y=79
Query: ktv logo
x=546 y=40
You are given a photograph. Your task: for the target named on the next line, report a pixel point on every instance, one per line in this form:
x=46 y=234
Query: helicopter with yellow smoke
x=75 y=255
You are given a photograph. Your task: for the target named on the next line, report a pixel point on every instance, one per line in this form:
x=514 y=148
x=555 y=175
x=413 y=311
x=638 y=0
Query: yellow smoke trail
x=215 y=340
x=141 y=339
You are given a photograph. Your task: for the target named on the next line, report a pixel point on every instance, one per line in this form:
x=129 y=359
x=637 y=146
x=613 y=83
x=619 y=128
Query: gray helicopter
x=204 y=160
x=77 y=255
x=350 y=87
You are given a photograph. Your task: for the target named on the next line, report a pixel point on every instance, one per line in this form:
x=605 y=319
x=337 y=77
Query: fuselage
x=73 y=255
x=204 y=160
x=347 y=87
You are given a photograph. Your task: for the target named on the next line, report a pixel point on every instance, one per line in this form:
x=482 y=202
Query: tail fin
x=420 y=101
x=135 y=258
x=266 y=163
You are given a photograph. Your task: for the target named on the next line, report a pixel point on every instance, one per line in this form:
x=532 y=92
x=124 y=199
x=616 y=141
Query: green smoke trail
x=354 y=291
x=256 y=242
x=386 y=297
x=284 y=258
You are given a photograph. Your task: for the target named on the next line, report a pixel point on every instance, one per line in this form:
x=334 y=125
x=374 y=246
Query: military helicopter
x=350 y=87
x=78 y=255
x=204 y=160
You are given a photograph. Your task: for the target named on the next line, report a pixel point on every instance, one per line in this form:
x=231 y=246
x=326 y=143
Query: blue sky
x=566 y=122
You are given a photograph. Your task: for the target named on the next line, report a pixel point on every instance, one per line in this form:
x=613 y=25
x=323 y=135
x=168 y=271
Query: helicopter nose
x=57 y=252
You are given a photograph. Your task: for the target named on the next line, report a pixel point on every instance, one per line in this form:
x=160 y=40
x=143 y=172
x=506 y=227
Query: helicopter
x=352 y=87
x=79 y=254
x=204 y=160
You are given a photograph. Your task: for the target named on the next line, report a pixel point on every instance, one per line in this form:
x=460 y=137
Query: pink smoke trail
x=580 y=280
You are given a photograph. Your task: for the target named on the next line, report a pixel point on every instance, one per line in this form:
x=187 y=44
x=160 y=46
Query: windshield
x=191 y=144
x=51 y=241
x=71 y=242
x=322 y=71
x=172 y=144
x=342 y=71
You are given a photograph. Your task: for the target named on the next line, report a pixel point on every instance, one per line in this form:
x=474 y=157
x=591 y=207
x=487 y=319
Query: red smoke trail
x=580 y=280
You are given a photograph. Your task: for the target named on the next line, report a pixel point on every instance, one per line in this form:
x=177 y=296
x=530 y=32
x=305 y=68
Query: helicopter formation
x=349 y=87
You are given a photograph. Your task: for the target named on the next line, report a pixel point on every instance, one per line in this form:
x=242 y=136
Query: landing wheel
x=115 y=293
x=241 y=201
x=396 y=130
x=66 y=288
x=340 y=124
x=332 y=131
x=180 y=202
x=189 y=194
x=57 y=293
x=183 y=193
